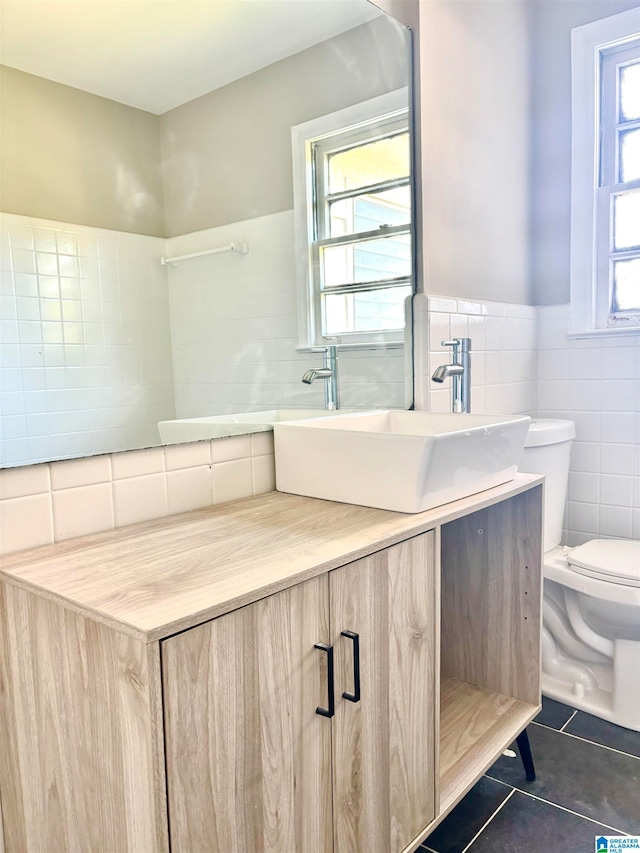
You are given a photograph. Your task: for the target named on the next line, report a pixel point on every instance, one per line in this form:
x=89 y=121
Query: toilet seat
x=611 y=560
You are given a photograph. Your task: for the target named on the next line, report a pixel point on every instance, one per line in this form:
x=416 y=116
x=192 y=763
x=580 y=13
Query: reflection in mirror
x=128 y=147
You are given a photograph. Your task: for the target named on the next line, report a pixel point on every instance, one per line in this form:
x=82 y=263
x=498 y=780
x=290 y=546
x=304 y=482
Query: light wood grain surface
x=81 y=767
x=491 y=597
x=154 y=579
x=475 y=726
x=248 y=758
x=384 y=745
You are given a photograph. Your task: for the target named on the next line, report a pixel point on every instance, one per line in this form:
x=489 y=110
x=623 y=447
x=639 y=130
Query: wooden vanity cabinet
x=159 y=685
x=251 y=765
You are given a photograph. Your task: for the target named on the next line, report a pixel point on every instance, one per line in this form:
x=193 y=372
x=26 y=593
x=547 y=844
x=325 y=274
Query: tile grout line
x=592 y=742
x=568 y=721
x=558 y=806
x=486 y=824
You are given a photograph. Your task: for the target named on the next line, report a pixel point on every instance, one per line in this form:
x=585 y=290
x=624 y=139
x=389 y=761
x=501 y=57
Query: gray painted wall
x=227 y=155
x=75 y=157
x=475 y=124
x=551 y=25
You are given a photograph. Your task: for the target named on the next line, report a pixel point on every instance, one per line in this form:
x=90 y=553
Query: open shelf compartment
x=491 y=591
x=474 y=724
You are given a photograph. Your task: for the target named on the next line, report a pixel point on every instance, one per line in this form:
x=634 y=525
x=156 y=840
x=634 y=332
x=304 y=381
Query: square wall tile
x=439 y=328
x=616 y=490
x=73 y=473
x=139 y=499
x=262 y=443
x=618 y=427
x=232 y=480
x=227 y=449
x=264 y=474
x=583 y=517
x=190 y=455
x=584 y=488
x=616 y=521
x=82 y=511
x=137 y=463
x=21 y=482
x=585 y=456
x=189 y=488
x=25 y=523
x=616 y=458
x=617 y=395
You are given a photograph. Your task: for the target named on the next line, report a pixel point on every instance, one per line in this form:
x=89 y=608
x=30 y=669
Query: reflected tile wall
x=85 y=357
x=235 y=329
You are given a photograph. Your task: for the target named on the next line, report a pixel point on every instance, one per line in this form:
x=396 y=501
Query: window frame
x=348 y=122
x=591 y=223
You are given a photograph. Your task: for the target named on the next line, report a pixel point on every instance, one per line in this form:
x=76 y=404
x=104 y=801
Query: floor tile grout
x=568 y=721
x=586 y=740
x=571 y=811
x=486 y=824
x=555 y=814
x=557 y=806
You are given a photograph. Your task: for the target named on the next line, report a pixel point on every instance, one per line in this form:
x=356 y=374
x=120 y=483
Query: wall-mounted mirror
x=136 y=133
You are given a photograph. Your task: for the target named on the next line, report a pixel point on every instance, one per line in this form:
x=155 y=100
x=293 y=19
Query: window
x=354 y=223
x=605 y=204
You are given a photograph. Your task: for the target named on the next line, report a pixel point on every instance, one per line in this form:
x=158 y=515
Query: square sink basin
x=399 y=460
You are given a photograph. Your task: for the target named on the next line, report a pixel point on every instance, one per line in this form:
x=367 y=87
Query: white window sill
x=603 y=333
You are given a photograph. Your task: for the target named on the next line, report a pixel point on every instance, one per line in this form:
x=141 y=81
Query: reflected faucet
x=328 y=372
x=460 y=371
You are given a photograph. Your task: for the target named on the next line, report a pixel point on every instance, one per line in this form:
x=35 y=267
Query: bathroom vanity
x=279 y=673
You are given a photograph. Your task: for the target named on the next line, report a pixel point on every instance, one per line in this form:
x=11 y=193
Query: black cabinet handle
x=330 y=710
x=355 y=696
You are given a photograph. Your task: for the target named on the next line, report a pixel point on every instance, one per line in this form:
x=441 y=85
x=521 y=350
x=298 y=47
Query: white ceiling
x=157 y=54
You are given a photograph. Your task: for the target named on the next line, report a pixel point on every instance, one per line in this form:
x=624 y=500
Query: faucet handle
x=463 y=343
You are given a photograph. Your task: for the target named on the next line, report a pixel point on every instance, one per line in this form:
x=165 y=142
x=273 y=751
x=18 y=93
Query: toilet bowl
x=591 y=605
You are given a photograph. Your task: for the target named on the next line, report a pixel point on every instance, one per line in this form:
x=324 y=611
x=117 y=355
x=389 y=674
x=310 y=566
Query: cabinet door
x=384 y=745
x=248 y=758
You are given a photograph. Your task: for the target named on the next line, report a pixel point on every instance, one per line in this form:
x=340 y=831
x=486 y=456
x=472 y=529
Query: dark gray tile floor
x=587 y=785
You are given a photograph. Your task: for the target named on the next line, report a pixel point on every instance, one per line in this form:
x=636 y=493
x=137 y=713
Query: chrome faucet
x=328 y=372
x=460 y=372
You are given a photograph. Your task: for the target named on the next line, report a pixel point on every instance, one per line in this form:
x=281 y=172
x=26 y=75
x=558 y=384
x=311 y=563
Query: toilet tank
x=546 y=451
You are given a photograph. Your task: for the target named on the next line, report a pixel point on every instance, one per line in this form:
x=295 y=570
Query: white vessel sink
x=217 y=426
x=397 y=460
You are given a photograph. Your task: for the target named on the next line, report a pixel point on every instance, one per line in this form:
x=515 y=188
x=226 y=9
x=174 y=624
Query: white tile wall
x=503 y=358
x=42 y=504
x=234 y=329
x=596 y=383
x=85 y=351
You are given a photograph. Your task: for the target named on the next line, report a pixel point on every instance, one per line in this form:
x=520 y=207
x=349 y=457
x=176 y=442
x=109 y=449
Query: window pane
x=626 y=286
x=630 y=91
x=368 y=164
x=371 y=311
x=630 y=155
x=370 y=260
x=368 y=212
x=626 y=220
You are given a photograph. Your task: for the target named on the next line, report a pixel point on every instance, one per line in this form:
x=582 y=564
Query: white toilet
x=591 y=611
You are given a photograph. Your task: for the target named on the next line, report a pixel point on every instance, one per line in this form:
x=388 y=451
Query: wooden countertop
x=154 y=579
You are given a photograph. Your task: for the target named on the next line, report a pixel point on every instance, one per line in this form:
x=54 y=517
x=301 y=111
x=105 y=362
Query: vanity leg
x=525 y=754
